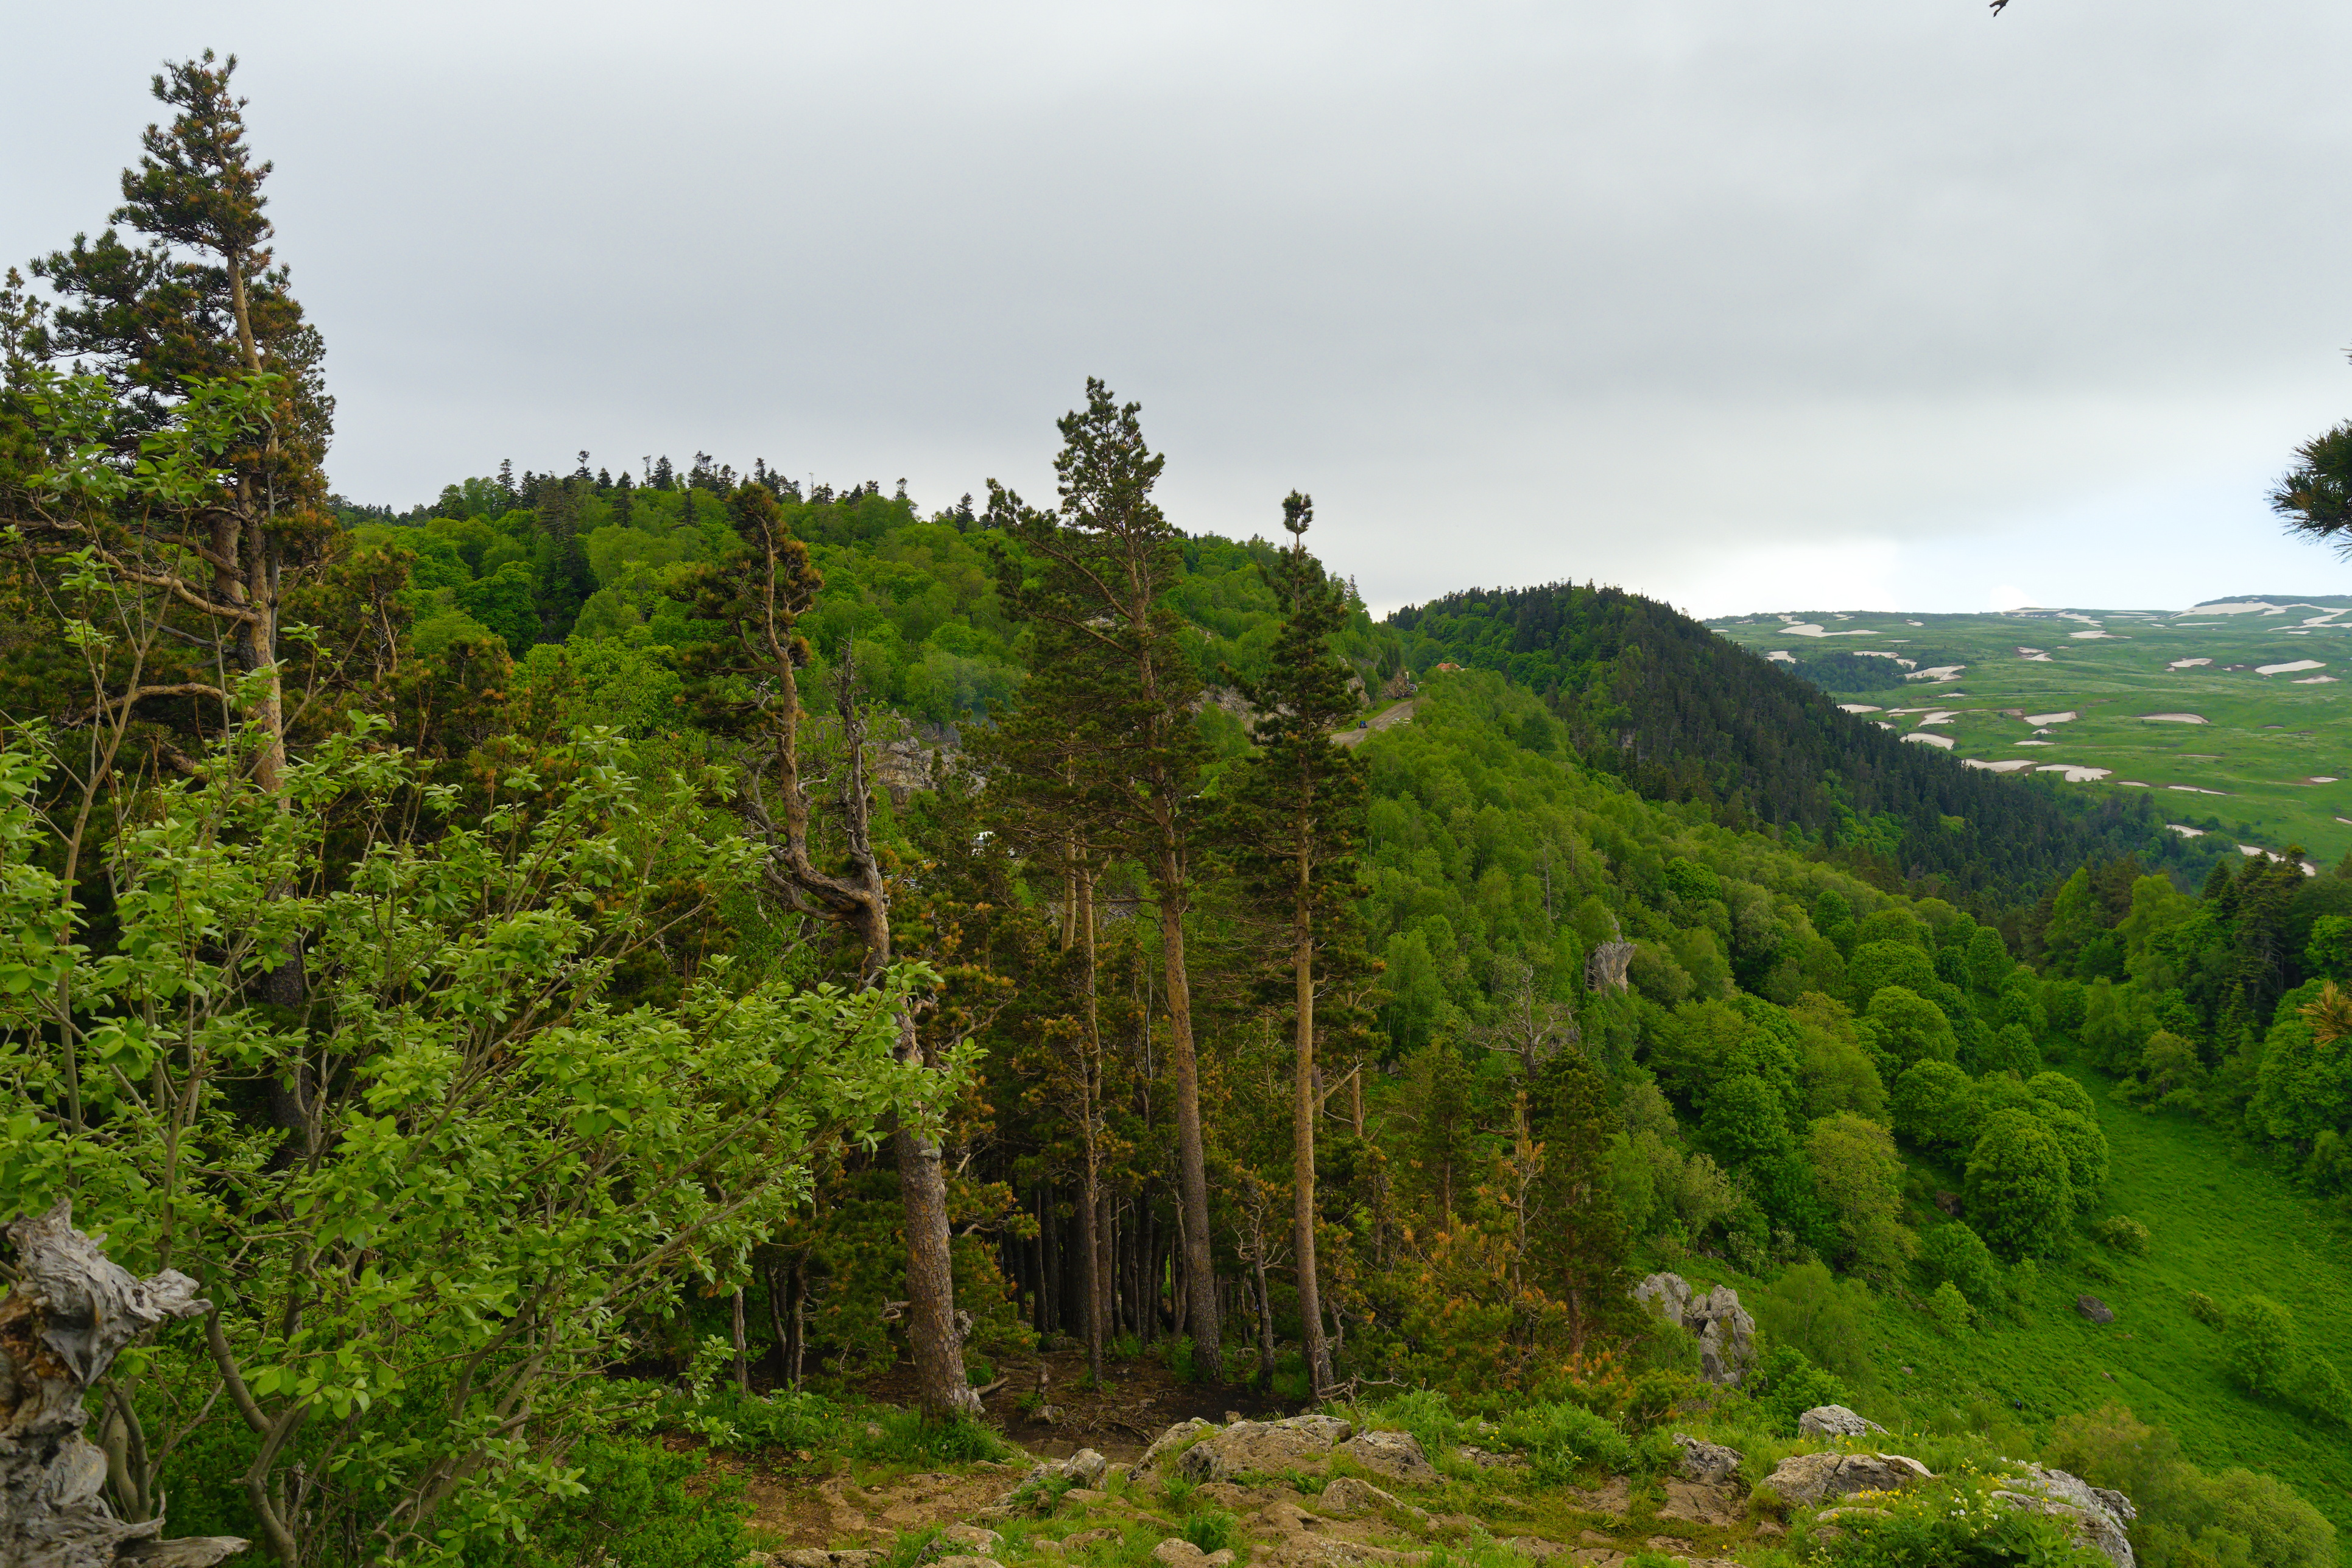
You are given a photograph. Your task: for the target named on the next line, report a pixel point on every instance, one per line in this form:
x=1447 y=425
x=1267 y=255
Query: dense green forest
x=1654 y=697
x=588 y=941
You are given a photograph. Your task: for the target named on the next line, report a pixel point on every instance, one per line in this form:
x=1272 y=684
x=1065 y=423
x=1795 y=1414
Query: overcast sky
x=1824 y=304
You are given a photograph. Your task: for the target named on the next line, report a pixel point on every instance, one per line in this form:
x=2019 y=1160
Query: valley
x=2231 y=714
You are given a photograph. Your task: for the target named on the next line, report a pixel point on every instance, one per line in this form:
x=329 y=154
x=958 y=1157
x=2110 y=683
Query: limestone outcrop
x=1835 y=1421
x=1267 y=1448
x=1811 y=1479
x=2100 y=1515
x=1394 y=1455
x=1707 y=1461
x=1727 y=1334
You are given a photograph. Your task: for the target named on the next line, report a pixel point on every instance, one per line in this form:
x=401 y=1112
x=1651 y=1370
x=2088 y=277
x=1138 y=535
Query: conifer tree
x=1298 y=822
x=1098 y=570
x=202 y=301
x=1048 y=761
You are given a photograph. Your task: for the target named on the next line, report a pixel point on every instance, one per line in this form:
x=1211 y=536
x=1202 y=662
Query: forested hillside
x=1654 y=697
x=563 y=961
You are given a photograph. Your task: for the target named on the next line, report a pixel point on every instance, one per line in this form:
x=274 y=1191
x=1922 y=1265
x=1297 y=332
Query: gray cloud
x=1717 y=299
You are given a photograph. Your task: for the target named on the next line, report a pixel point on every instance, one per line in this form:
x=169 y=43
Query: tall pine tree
x=1097 y=571
x=1298 y=822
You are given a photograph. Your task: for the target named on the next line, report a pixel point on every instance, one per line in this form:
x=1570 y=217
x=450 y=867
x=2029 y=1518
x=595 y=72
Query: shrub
x=1428 y=1414
x=1785 y=1385
x=1825 y=1318
x=1951 y=1309
x=2123 y=1233
x=1560 y=1439
x=903 y=1434
x=1211 y=1530
x=2321 y=1389
x=2206 y=1310
x=1954 y=1254
x=2262 y=1345
x=635 y=1512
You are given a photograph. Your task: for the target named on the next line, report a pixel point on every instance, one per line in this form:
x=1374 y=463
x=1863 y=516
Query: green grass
x=2265 y=735
x=2219 y=1224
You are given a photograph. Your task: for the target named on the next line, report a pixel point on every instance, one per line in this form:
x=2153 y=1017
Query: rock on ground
x=1348 y=1495
x=1835 y=1421
x=1487 y=1459
x=1173 y=1439
x=2100 y=1515
x=2097 y=1310
x=1086 y=1467
x=1261 y=1447
x=1811 y=1479
x=973 y=1538
x=1396 y=1455
x=1707 y=1461
x=1698 y=1503
x=1178 y=1553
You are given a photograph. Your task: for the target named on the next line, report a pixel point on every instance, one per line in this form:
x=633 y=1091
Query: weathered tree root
x=71 y=1311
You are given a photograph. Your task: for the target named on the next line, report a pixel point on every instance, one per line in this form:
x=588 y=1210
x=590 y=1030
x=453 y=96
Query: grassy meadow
x=2221 y=1226
x=2271 y=764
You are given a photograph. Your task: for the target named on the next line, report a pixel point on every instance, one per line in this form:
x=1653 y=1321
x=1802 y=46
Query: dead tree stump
x=72 y=1309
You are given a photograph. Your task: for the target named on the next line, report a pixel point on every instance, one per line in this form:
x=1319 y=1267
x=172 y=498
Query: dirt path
x=1387 y=719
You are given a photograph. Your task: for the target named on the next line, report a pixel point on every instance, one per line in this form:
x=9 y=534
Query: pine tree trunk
x=942 y=1390
x=1191 y=1160
x=1304 y=1107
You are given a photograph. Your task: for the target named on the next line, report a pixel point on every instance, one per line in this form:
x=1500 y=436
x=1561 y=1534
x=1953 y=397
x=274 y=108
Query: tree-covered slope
x=1654 y=697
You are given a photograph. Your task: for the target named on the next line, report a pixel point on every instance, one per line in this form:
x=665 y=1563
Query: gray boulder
x=1396 y=1455
x=1082 y=1468
x=1835 y=1421
x=1173 y=1439
x=2099 y=1515
x=1727 y=1334
x=2097 y=1310
x=1348 y=1496
x=1707 y=1461
x=1810 y=1481
x=1260 y=1448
